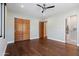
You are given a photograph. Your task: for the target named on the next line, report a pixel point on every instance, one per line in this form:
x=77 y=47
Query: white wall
x=56 y=25
x=10 y=26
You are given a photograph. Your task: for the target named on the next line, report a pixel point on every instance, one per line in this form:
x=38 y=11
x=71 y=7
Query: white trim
x=34 y=38
x=56 y=39
x=48 y=38
x=13 y=41
x=38 y=37
x=10 y=42
x=77 y=44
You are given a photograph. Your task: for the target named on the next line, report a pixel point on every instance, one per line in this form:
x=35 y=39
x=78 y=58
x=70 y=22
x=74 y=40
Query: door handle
x=74 y=29
x=67 y=30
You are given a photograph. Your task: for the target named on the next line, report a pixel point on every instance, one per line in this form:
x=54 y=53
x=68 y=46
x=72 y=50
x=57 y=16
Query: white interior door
x=71 y=30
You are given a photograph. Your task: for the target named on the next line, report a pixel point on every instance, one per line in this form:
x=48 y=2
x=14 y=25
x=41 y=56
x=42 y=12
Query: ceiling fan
x=44 y=7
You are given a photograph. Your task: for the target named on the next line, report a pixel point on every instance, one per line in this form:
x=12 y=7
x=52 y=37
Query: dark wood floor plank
x=38 y=47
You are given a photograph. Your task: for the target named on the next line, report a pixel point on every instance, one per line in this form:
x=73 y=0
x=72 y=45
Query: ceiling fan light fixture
x=22 y=6
x=44 y=7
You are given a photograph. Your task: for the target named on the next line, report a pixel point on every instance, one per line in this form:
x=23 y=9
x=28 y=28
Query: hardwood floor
x=38 y=47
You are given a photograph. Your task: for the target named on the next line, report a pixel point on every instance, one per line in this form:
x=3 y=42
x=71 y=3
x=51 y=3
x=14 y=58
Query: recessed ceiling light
x=22 y=6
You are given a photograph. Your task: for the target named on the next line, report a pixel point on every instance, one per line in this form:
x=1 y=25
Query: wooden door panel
x=18 y=29
x=42 y=30
x=26 y=32
x=22 y=29
x=26 y=37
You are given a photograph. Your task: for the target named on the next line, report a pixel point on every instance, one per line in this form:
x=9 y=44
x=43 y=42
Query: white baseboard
x=48 y=38
x=10 y=42
x=34 y=38
x=59 y=40
x=56 y=39
x=13 y=41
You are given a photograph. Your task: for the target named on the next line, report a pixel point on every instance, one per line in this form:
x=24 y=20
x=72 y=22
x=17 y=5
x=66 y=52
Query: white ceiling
x=31 y=9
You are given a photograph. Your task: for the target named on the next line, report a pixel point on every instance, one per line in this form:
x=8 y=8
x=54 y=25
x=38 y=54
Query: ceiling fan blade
x=50 y=7
x=39 y=5
x=42 y=10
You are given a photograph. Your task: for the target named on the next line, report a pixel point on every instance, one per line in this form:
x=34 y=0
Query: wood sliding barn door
x=22 y=29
